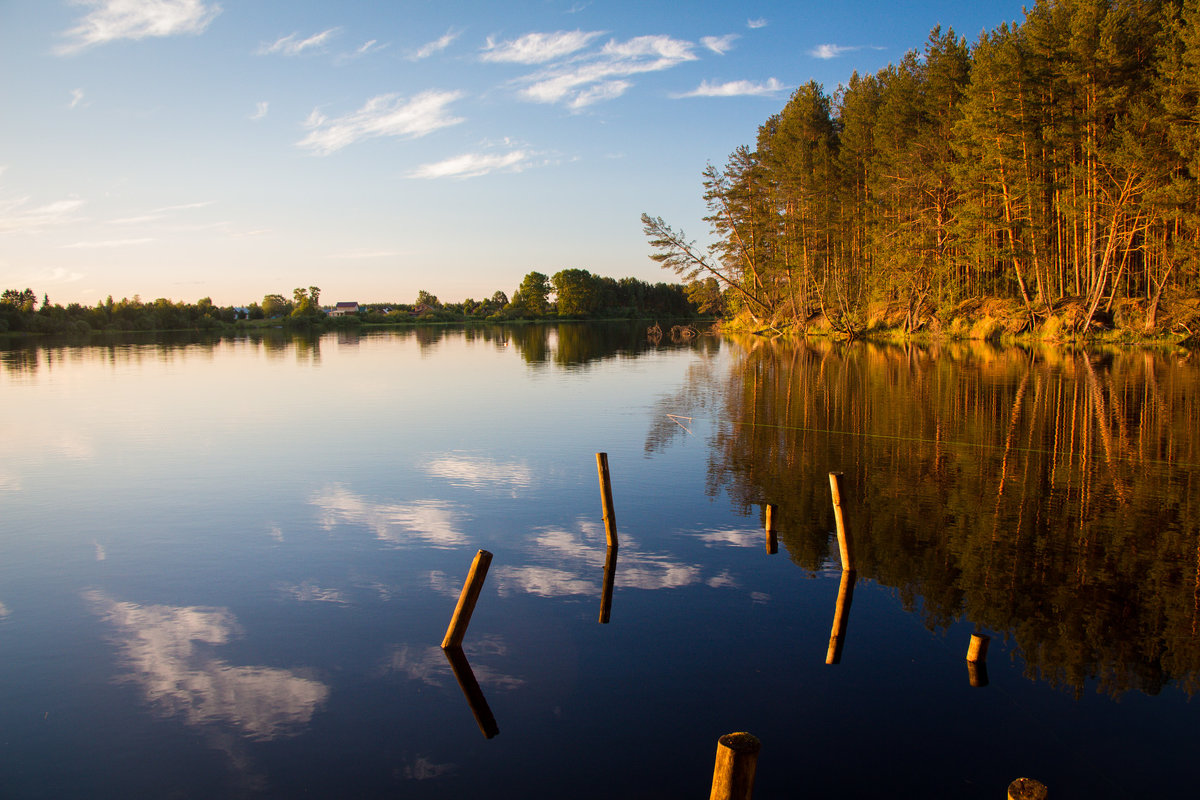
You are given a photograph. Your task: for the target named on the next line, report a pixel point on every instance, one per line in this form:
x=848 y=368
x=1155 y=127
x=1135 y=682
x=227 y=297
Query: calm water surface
x=226 y=567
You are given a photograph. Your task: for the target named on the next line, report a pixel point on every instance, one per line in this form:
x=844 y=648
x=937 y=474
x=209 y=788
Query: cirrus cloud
x=735 y=89
x=828 y=51
x=538 y=48
x=382 y=115
x=293 y=45
x=586 y=79
x=111 y=20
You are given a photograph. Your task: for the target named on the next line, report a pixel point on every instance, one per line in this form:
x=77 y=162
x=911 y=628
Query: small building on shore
x=343 y=309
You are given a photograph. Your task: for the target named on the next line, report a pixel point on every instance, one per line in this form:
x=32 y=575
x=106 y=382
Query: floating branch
x=676 y=417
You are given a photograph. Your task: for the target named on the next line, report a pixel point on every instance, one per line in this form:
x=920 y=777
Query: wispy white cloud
x=112 y=20
x=76 y=98
x=158 y=214
x=354 y=255
x=105 y=244
x=828 y=51
x=588 y=79
x=754 y=24
x=293 y=45
x=15 y=218
x=436 y=46
x=260 y=110
x=57 y=275
x=366 y=48
x=473 y=165
x=720 y=44
x=538 y=48
x=734 y=89
x=383 y=115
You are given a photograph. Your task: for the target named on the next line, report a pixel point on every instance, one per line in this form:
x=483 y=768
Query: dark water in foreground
x=226 y=567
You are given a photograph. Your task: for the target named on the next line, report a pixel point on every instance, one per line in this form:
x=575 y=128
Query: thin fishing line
x=951 y=443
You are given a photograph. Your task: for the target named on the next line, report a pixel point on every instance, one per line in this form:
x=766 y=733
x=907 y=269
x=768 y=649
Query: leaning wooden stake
x=772 y=535
x=733 y=773
x=467 y=599
x=610 y=516
x=845 y=545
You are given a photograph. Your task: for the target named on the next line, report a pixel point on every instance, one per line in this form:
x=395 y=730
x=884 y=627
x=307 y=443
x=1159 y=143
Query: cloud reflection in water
x=428 y=521
x=473 y=472
x=164 y=650
x=576 y=554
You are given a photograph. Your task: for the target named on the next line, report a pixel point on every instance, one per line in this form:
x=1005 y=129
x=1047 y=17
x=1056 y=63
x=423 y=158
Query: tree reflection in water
x=1045 y=494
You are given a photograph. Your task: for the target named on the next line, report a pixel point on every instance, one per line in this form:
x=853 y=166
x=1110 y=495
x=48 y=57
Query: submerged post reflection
x=610 y=577
x=841 y=618
x=470 y=688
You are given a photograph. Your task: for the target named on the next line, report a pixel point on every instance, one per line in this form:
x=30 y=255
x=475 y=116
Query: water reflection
x=1050 y=495
x=427 y=521
x=166 y=652
x=841 y=618
x=470 y=689
x=579 y=558
x=476 y=472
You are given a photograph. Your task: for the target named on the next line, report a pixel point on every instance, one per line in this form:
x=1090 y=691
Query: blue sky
x=234 y=148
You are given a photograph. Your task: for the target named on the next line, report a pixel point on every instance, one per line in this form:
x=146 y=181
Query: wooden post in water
x=610 y=579
x=1027 y=789
x=841 y=618
x=733 y=772
x=467 y=600
x=977 y=660
x=772 y=535
x=470 y=688
x=845 y=545
x=610 y=516
x=977 y=651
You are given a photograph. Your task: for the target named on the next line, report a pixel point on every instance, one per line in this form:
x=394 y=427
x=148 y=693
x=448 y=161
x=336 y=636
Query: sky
x=236 y=148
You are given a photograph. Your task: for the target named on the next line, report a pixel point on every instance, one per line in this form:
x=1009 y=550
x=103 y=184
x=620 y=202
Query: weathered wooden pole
x=772 y=534
x=1027 y=789
x=977 y=651
x=845 y=545
x=733 y=772
x=470 y=687
x=977 y=660
x=610 y=516
x=610 y=579
x=467 y=599
x=841 y=618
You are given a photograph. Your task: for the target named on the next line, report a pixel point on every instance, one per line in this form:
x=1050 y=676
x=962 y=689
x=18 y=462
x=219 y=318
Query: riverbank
x=1175 y=321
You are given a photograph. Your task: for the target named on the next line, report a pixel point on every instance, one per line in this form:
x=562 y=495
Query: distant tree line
x=569 y=294
x=1056 y=160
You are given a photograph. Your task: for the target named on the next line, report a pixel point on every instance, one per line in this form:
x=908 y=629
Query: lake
x=226 y=566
